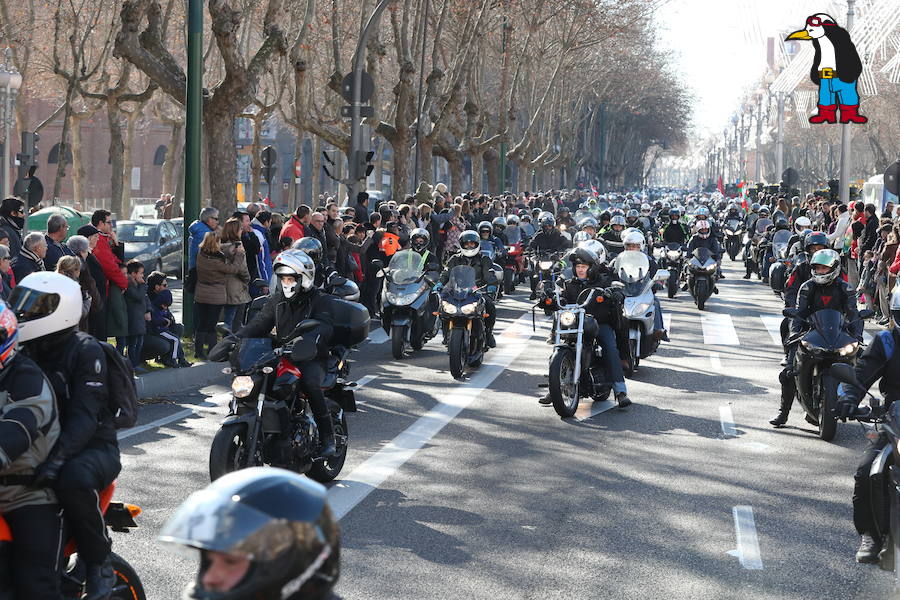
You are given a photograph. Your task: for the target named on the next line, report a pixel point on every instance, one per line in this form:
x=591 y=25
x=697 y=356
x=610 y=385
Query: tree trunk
x=116 y=157
x=128 y=160
x=426 y=163
x=492 y=162
x=172 y=158
x=477 y=159
x=457 y=176
x=77 y=164
x=317 y=167
x=400 y=169
x=379 y=165
x=63 y=143
x=221 y=159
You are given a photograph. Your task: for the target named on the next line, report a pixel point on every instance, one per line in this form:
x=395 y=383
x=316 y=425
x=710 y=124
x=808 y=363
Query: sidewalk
x=173 y=381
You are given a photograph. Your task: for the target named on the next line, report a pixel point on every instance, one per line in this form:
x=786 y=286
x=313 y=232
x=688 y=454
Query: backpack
x=122 y=396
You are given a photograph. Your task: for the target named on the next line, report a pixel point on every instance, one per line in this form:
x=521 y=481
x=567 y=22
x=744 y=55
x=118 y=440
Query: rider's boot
x=489 y=339
x=787 y=398
x=326 y=435
x=623 y=400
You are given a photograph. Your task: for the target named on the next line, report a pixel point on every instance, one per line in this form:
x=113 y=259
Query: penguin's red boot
x=849 y=114
x=826 y=114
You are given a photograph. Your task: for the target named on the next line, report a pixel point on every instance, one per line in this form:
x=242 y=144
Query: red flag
x=594 y=189
x=721 y=187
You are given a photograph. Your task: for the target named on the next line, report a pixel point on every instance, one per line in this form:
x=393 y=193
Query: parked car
x=38 y=220
x=154 y=242
x=141 y=212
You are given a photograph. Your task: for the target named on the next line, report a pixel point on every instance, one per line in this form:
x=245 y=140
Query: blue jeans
x=229 y=312
x=829 y=89
x=135 y=347
x=606 y=337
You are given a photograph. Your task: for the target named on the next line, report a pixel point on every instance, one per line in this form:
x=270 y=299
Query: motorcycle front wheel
x=563 y=387
x=398 y=340
x=700 y=293
x=827 y=404
x=228 y=451
x=456 y=348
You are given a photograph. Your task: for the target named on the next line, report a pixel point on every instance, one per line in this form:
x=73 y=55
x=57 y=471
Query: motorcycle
x=702 y=276
x=734 y=233
x=779 y=261
x=463 y=312
x=408 y=303
x=671 y=257
x=489 y=249
x=573 y=370
x=753 y=252
x=826 y=343
x=119 y=517
x=269 y=420
x=546 y=267
x=884 y=475
x=513 y=260
x=639 y=309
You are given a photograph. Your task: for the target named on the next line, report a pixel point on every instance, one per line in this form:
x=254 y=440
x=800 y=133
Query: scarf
x=31 y=255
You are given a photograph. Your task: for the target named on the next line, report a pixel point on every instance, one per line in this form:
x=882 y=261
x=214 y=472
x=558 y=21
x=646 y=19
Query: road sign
x=367 y=87
x=364 y=111
x=892 y=178
x=268 y=156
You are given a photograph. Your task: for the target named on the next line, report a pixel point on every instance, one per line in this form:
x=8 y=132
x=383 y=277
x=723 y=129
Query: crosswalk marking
x=667 y=322
x=718 y=330
x=378 y=336
x=773 y=325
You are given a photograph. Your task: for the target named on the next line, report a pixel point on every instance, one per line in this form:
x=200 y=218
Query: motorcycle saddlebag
x=351 y=323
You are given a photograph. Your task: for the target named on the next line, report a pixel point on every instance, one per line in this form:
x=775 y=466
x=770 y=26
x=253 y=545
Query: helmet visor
x=29 y=304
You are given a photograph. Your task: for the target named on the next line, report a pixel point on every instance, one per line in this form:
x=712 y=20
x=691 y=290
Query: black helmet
x=754 y=208
x=419 y=239
x=311 y=246
x=782 y=223
x=499 y=223
x=485 y=227
x=674 y=212
x=548 y=222
x=278 y=520
x=632 y=216
x=583 y=256
x=816 y=238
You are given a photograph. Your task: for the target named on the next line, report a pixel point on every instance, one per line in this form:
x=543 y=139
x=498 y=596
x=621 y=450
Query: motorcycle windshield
x=761 y=225
x=674 y=246
x=461 y=282
x=253 y=352
x=488 y=248
x=633 y=268
x=406 y=267
x=513 y=235
x=703 y=255
x=733 y=224
x=828 y=330
x=781 y=237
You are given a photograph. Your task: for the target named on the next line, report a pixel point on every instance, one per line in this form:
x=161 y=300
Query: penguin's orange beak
x=801 y=34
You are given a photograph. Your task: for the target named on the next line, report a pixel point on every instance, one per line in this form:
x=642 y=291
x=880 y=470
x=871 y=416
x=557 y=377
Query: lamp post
x=779 y=146
x=10 y=82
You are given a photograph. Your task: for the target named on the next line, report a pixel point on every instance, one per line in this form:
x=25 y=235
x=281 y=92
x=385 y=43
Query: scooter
x=702 y=276
x=119 y=517
x=408 y=303
x=639 y=309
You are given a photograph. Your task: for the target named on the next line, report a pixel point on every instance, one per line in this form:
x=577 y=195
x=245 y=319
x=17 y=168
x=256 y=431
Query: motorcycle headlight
x=729 y=232
x=545 y=265
x=448 y=308
x=401 y=299
x=242 y=386
x=806 y=344
x=640 y=309
x=469 y=309
x=510 y=248
x=848 y=349
x=566 y=318
x=711 y=267
x=673 y=254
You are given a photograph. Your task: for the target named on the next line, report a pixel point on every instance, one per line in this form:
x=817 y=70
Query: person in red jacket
x=104 y=252
x=295 y=228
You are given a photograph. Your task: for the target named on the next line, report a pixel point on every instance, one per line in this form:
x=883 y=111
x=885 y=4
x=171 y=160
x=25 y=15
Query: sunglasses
x=817 y=22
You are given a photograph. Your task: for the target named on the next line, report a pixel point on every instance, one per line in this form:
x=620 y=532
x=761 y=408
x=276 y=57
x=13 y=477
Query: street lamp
x=10 y=82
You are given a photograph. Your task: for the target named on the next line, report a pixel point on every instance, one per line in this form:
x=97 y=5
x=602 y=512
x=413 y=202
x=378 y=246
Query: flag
x=594 y=189
x=720 y=187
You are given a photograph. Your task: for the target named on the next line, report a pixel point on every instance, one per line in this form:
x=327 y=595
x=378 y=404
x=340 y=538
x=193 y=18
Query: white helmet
x=634 y=237
x=298 y=265
x=701 y=225
x=469 y=243
x=646 y=209
x=802 y=223
x=597 y=248
x=45 y=303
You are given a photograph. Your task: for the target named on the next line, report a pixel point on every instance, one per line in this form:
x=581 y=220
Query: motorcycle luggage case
x=351 y=322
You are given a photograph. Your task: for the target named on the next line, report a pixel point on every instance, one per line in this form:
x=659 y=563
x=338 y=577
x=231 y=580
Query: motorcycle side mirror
x=378 y=264
x=845 y=374
x=223 y=329
x=790 y=313
x=866 y=313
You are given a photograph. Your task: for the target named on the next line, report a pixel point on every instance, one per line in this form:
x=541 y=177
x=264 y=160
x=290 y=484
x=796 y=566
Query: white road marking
x=715 y=361
x=213 y=401
x=378 y=336
x=362 y=381
x=667 y=322
x=773 y=325
x=726 y=418
x=747 y=540
x=718 y=330
x=367 y=477
x=587 y=410
x=867 y=338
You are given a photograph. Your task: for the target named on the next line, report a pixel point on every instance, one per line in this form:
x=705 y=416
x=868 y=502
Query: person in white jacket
x=836 y=238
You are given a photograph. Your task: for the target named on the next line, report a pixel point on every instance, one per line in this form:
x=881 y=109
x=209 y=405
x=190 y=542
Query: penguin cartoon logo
x=835 y=69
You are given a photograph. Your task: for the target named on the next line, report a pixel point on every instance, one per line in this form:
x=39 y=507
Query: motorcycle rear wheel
x=509 y=281
x=456 y=348
x=827 y=405
x=228 y=450
x=326 y=470
x=128 y=583
x=398 y=340
x=563 y=387
x=672 y=286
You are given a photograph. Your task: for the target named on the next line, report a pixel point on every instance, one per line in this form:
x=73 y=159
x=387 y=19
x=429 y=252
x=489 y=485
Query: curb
x=172 y=381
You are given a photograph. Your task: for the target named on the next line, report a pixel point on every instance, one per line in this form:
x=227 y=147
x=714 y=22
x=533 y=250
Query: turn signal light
x=599 y=299
x=133 y=509
x=548 y=301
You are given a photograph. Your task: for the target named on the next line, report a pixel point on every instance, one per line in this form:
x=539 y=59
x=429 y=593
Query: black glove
x=47 y=474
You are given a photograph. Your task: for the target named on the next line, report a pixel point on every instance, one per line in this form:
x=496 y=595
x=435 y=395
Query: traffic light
x=332 y=160
x=30 y=151
x=360 y=164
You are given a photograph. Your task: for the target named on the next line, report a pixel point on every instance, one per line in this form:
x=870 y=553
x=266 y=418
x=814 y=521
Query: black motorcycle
x=884 y=476
x=408 y=303
x=734 y=234
x=546 y=267
x=269 y=420
x=463 y=312
x=754 y=251
x=671 y=257
x=702 y=276
x=779 y=261
x=826 y=343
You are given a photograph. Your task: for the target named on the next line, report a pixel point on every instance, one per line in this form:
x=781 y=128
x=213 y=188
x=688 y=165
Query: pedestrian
x=12 y=221
x=163 y=339
x=110 y=254
x=117 y=313
x=210 y=295
x=207 y=221
x=138 y=307
x=80 y=248
x=71 y=267
x=57 y=232
x=333 y=229
x=296 y=227
x=6 y=276
x=316 y=229
x=97 y=318
x=31 y=256
x=237 y=293
x=355 y=240
x=261 y=224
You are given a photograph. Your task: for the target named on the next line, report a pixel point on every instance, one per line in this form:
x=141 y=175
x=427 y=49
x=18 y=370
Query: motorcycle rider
x=674 y=231
x=588 y=225
x=29 y=427
x=824 y=290
x=263 y=533
x=85 y=458
x=612 y=237
x=881 y=360
x=547 y=240
x=499 y=224
x=486 y=233
x=704 y=239
x=470 y=255
x=588 y=272
x=296 y=299
x=799 y=274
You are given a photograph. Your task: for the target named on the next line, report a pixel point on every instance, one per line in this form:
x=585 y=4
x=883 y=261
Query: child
x=162 y=323
x=138 y=309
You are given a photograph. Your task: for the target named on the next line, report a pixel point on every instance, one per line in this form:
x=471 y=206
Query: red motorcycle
x=513 y=260
x=119 y=517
